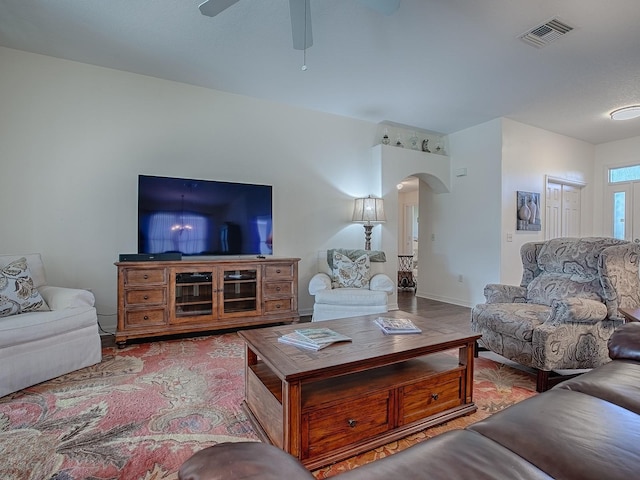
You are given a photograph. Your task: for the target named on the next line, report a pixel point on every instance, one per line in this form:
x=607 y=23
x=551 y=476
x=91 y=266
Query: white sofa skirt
x=39 y=346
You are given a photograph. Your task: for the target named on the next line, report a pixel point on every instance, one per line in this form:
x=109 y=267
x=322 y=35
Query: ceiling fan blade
x=301 y=24
x=386 y=7
x=211 y=8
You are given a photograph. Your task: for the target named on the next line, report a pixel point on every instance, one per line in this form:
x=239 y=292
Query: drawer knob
x=278 y=270
x=277 y=289
x=352 y=423
x=146 y=277
x=278 y=305
x=434 y=396
x=146 y=317
x=146 y=297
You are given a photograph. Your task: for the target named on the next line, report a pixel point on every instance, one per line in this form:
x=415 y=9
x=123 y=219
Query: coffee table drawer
x=346 y=423
x=430 y=396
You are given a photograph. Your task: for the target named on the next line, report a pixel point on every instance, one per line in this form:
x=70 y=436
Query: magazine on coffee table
x=396 y=325
x=313 y=338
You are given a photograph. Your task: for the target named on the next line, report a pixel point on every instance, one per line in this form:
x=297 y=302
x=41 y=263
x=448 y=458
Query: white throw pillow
x=17 y=293
x=349 y=273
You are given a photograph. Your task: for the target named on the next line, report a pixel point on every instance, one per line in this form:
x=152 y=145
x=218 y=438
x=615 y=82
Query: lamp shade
x=369 y=210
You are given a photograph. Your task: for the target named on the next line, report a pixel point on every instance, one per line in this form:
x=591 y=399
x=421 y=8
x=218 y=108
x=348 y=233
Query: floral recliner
x=566 y=307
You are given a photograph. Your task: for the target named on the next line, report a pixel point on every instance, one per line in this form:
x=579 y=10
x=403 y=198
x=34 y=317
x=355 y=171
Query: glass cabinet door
x=240 y=291
x=194 y=294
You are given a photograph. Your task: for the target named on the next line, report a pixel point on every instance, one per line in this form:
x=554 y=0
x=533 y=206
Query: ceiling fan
x=300 y=15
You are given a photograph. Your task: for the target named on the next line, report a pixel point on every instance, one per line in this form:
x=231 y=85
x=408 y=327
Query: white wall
x=470 y=224
x=463 y=222
x=528 y=154
x=74 y=137
x=394 y=165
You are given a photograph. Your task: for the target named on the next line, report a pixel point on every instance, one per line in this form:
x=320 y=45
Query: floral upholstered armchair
x=566 y=307
x=350 y=283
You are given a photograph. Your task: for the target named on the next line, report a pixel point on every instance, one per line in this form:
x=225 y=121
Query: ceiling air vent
x=546 y=33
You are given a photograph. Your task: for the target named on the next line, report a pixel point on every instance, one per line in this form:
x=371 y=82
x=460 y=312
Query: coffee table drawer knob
x=352 y=423
x=434 y=396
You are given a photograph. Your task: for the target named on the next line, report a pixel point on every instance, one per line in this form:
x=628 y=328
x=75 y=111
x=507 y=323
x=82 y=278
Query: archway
x=433 y=174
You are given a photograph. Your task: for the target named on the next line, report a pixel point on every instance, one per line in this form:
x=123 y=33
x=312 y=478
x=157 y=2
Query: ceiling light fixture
x=626 y=113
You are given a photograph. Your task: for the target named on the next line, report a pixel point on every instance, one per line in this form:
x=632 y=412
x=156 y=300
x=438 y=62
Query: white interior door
x=570 y=211
x=553 y=217
x=562 y=207
x=410 y=230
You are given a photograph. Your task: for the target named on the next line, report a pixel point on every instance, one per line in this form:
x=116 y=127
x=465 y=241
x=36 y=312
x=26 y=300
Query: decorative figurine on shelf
x=385 y=138
x=425 y=146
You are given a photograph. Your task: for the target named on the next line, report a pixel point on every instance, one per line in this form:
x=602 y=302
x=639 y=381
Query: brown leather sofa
x=585 y=428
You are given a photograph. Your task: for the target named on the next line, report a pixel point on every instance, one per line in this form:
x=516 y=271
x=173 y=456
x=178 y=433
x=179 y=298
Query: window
x=624 y=174
x=619 y=208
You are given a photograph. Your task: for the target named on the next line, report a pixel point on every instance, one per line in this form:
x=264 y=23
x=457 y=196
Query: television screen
x=203 y=217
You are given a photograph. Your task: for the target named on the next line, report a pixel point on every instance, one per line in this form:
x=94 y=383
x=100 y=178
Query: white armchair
x=45 y=331
x=366 y=290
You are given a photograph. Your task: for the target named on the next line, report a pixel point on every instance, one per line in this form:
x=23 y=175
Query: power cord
x=100 y=326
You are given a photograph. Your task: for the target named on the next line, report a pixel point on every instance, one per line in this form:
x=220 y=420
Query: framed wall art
x=528 y=212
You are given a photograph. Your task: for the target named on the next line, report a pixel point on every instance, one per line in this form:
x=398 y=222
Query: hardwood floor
x=424 y=307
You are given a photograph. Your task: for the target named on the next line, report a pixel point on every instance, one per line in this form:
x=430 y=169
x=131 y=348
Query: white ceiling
x=435 y=65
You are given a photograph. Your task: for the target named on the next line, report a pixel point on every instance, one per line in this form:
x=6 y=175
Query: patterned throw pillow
x=17 y=293
x=349 y=273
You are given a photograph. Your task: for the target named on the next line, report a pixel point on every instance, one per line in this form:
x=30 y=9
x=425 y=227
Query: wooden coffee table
x=348 y=398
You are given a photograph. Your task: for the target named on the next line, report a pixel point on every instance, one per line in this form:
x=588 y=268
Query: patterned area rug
x=145 y=409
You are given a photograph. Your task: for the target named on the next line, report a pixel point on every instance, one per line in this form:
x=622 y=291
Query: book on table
x=313 y=338
x=390 y=325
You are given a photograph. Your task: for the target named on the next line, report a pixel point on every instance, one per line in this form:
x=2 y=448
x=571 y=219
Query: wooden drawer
x=346 y=423
x=145 y=318
x=277 y=306
x=146 y=297
x=144 y=276
x=277 y=289
x=279 y=270
x=430 y=396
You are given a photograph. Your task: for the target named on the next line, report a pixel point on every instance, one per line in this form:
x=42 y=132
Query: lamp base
x=367 y=236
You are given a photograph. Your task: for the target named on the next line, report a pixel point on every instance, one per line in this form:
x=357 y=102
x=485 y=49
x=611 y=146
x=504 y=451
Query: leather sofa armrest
x=242 y=460
x=320 y=281
x=499 y=293
x=624 y=343
x=60 y=298
x=577 y=310
x=381 y=282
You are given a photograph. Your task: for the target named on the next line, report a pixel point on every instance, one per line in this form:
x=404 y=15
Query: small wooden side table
x=630 y=315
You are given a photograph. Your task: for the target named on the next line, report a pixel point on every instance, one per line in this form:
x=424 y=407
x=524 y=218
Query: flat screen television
x=203 y=217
